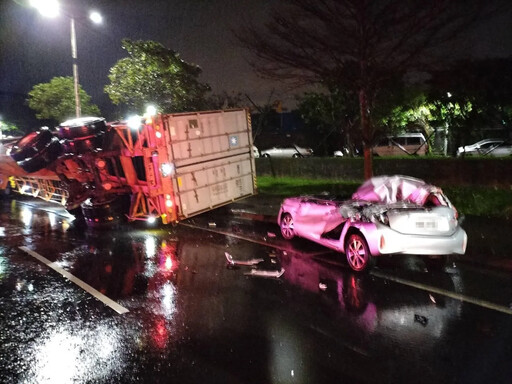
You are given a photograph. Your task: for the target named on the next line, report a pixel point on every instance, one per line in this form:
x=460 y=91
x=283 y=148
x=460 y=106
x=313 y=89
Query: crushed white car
x=386 y=215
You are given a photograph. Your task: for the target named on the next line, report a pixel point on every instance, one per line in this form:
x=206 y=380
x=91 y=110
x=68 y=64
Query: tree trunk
x=366 y=131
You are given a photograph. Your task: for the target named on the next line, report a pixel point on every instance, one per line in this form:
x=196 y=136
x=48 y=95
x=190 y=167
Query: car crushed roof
x=397 y=188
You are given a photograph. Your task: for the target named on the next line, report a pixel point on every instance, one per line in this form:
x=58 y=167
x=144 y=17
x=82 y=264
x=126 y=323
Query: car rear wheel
x=287 y=226
x=358 y=253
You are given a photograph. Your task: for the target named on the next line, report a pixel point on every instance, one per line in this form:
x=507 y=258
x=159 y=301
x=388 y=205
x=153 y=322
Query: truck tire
x=42 y=158
x=83 y=145
x=81 y=127
x=104 y=211
x=30 y=144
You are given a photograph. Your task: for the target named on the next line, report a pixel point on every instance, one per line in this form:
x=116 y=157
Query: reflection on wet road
x=194 y=316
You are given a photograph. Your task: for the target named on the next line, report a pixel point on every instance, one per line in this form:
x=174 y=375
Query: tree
x=474 y=96
x=7 y=129
x=56 y=100
x=331 y=115
x=153 y=74
x=356 y=44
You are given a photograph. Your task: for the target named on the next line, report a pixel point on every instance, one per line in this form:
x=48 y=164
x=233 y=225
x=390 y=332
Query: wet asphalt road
x=191 y=317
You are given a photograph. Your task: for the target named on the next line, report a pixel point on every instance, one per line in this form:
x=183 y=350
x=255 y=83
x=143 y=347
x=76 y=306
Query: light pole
x=50 y=8
x=78 y=108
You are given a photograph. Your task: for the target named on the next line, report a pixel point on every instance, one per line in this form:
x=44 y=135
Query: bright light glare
x=26 y=216
x=47 y=8
x=151 y=219
x=166 y=169
x=96 y=17
x=150 y=244
x=151 y=110
x=134 y=122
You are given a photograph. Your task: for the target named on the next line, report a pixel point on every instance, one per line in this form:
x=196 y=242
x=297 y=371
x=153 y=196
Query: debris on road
x=421 y=319
x=263 y=273
x=271 y=234
x=254 y=263
x=248 y=263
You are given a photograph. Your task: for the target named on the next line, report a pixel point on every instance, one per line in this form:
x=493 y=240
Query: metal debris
x=263 y=273
x=248 y=263
x=421 y=319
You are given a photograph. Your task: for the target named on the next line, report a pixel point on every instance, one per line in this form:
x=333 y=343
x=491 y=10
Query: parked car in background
x=387 y=215
x=255 y=152
x=405 y=144
x=346 y=152
x=487 y=147
x=287 y=151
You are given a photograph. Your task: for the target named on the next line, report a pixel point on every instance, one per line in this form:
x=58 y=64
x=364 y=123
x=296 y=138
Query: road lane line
x=255 y=241
x=453 y=295
x=86 y=287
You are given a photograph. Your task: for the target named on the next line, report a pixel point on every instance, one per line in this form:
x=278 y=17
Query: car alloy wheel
x=287 y=226
x=358 y=253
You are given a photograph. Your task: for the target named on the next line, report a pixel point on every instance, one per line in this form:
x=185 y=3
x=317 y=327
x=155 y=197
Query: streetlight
x=51 y=8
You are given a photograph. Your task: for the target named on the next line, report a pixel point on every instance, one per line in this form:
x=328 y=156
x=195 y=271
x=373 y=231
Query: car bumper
x=392 y=242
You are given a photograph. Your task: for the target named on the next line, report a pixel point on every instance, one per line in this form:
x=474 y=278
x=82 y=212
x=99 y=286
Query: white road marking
x=86 y=287
x=251 y=240
x=440 y=291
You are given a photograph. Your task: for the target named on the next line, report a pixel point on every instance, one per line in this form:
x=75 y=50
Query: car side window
x=413 y=141
x=400 y=140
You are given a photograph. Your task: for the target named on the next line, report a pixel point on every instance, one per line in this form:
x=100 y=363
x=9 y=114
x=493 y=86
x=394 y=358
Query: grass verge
x=469 y=200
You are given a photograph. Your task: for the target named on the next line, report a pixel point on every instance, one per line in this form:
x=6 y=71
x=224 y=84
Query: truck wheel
x=83 y=145
x=81 y=127
x=358 y=253
x=101 y=212
x=42 y=158
x=287 y=226
x=30 y=144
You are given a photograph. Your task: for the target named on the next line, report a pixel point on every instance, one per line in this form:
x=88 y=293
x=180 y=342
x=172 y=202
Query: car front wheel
x=358 y=253
x=287 y=226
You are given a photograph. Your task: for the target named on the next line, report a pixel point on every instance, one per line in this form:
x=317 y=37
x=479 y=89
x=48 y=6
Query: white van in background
x=399 y=145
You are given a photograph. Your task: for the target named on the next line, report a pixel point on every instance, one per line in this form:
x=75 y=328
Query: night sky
x=34 y=49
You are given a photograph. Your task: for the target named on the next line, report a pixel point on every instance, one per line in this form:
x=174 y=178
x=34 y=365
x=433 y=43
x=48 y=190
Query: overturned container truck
x=167 y=167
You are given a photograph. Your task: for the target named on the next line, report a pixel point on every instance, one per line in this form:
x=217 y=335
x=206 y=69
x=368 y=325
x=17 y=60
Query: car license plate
x=432 y=225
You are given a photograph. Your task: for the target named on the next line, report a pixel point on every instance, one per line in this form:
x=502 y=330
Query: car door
x=502 y=150
x=315 y=217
